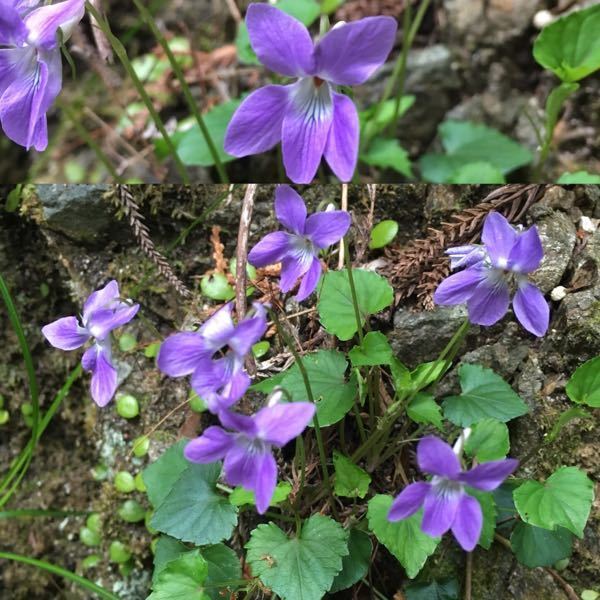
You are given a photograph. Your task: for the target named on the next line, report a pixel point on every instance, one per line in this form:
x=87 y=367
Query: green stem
x=348 y=262
x=399 y=73
x=27 y=452
x=40 y=512
x=388 y=420
x=185 y=89
x=318 y=434
x=46 y=566
x=90 y=141
x=120 y=51
x=301 y=466
x=13 y=317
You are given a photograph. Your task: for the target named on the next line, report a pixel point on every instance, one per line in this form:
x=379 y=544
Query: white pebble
x=558 y=293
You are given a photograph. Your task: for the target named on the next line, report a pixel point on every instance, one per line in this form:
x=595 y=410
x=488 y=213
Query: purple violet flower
x=103 y=311
x=502 y=265
x=30 y=64
x=298 y=251
x=214 y=356
x=309 y=117
x=247 y=454
x=446 y=504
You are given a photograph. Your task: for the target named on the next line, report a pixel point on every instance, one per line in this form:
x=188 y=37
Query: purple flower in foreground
x=30 y=64
x=103 y=311
x=445 y=503
x=298 y=251
x=309 y=117
x=493 y=271
x=214 y=356
x=247 y=454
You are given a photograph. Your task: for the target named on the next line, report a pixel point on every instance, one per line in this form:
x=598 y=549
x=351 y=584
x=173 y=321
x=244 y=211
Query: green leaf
x=167 y=550
x=193 y=510
x=537 y=547
x=427 y=373
x=350 y=480
x=333 y=395
x=329 y=6
x=374 y=350
x=404 y=539
x=584 y=385
x=223 y=570
x=266 y=386
x=424 y=409
x=161 y=475
x=400 y=375
x=127 y=342
x=298 y=568
x=356 y=564
x=240 y=496
x=488 y=509
x=477 y=172
x=335 y=306
x=383 y=233
x=370 y=127
x=489 y=440
x=570 y=47
x=566 y=417
x=556 y=99
x=484 y=395
x=465 y=142
x=443 y=590
x=564 y=500
x=182 y=579
x=191 y=145
x=582 y=177
x=387 y=153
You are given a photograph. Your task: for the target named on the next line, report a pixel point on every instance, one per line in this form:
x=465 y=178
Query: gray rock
x=489 y=22
x=421 y=336
x=79 y=212
x=580 y=313
x=558 y=236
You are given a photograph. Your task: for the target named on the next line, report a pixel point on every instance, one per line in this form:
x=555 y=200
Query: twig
x=102 y=43
x=125 y=200
x=234 y=10
x=469 y=576
x=241 y=260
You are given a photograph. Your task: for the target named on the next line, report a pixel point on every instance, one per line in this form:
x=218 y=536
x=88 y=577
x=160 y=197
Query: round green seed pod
x=94 y=523
x=4 y=416
x=91 y=561
x=141 y=445
x=132 y=511
x=124 y=482
x=140 y=486
x=89 y=538
x=118 y=552
x=128 y=406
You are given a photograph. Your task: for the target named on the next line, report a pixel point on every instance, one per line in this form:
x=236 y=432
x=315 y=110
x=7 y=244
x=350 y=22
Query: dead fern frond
x=125 y=201
x=420 y=266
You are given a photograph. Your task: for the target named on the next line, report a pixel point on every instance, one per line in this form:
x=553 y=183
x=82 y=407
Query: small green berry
x=100 y=472
x=260 y=348
x=89 y=537
x=124 y=482
x=91 y=561
x=141 y=445
x=118 y=552
x=132 y=511
x=561 y=565
x=197 y=404
x=147 y=518
x=27 y=409
x=4 y=416
x=94 y=523
x=126 y=568
x=127 y=342
x=127 y=406
x=138 y=480
x=151 y=351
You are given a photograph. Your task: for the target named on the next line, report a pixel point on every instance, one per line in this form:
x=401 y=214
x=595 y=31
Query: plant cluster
x=304 y=456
